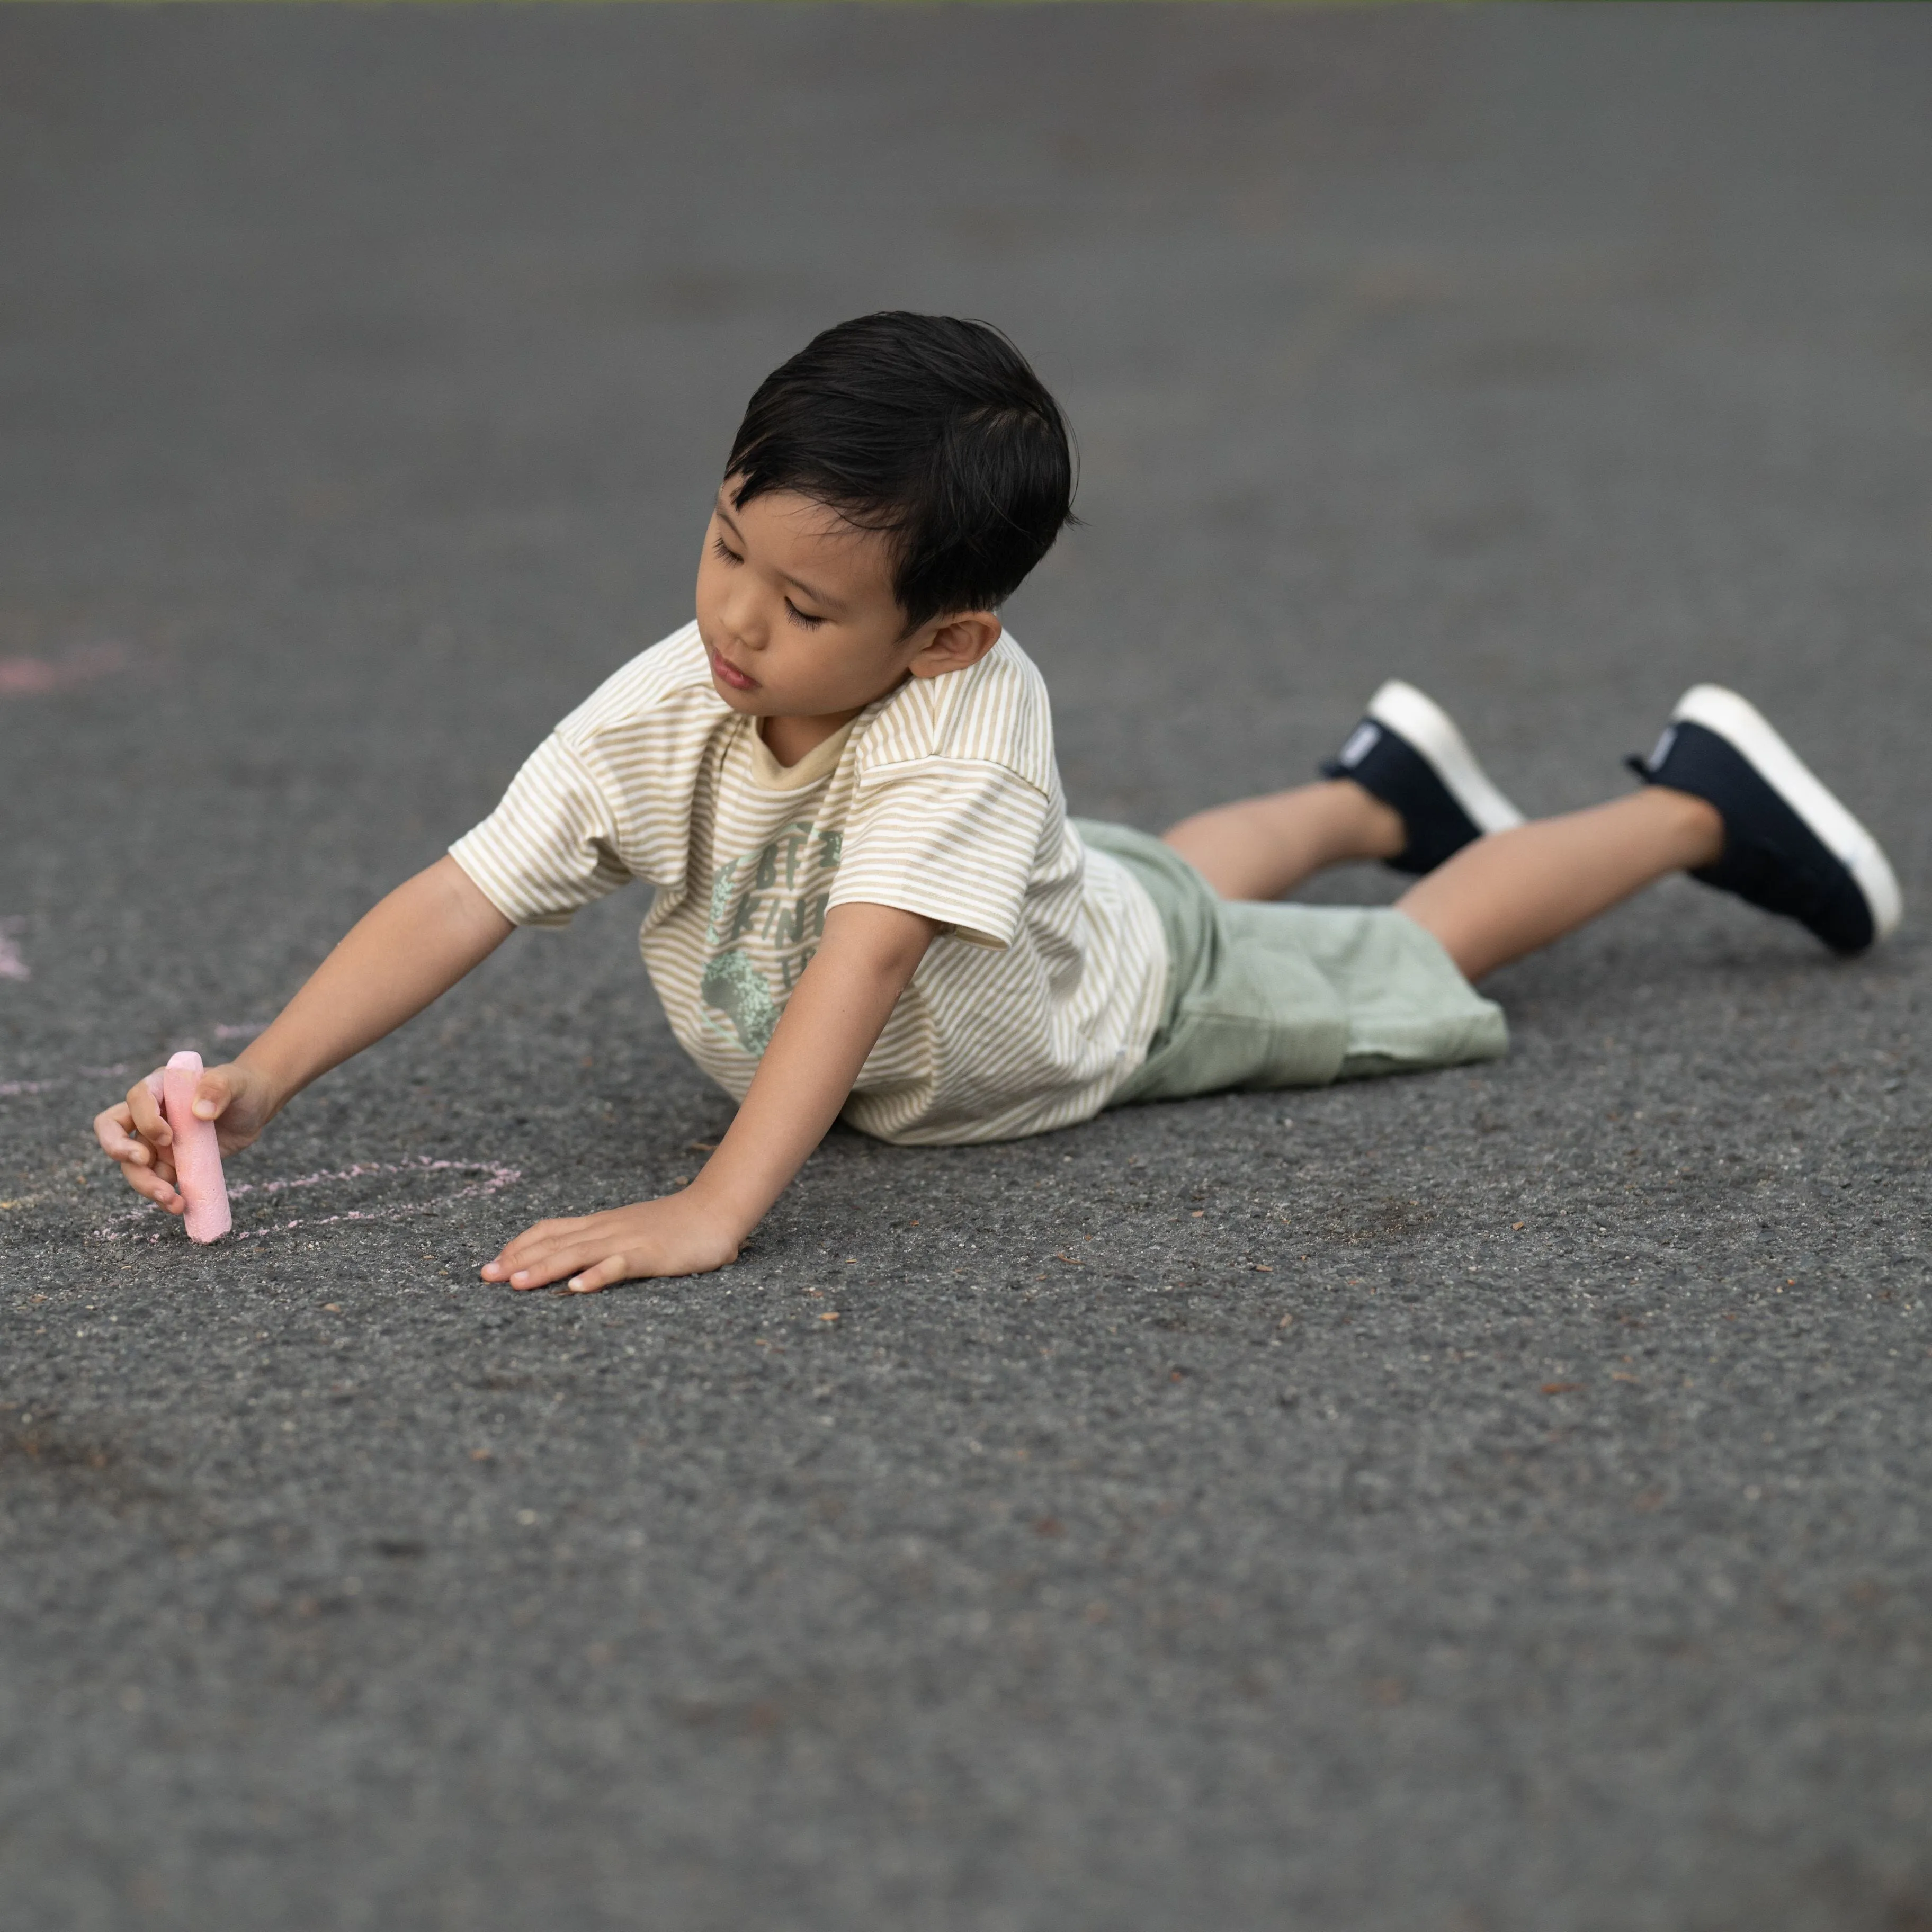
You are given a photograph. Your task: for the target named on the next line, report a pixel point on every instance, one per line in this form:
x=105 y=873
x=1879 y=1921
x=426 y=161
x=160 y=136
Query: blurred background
x=365 y=375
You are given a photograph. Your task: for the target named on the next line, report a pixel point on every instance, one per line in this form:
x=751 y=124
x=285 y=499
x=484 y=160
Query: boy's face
x=796 y=609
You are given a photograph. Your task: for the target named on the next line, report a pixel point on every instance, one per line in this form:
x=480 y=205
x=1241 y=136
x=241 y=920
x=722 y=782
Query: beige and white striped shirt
x=942 y=798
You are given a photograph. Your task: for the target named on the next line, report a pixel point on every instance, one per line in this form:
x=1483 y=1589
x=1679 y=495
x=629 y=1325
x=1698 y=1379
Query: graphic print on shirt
x=767 y=917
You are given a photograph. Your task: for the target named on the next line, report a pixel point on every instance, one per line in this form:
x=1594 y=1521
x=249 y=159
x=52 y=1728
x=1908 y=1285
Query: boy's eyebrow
x=725 y=517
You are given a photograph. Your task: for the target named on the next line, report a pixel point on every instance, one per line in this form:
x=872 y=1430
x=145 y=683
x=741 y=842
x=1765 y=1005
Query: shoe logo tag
x=1362 y=740
x=1664 y=745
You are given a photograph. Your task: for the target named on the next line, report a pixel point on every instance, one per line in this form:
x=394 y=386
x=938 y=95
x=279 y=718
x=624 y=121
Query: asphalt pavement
x=1492 y=1502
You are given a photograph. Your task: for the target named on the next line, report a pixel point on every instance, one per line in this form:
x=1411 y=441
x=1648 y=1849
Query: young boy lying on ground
x=870 y=902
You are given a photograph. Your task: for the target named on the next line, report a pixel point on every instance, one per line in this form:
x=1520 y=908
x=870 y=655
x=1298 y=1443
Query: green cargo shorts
x=1280 y=995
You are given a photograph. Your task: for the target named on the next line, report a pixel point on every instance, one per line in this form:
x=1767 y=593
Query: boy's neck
x=788 y=739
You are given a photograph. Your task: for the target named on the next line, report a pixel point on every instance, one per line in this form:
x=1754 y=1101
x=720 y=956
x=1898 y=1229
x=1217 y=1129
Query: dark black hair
x=932 y=431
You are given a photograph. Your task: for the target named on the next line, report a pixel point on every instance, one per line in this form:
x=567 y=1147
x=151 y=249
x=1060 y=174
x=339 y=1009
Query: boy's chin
x=751 y=704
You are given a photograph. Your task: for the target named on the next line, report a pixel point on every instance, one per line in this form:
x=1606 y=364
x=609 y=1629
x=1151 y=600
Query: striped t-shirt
x=942 y=798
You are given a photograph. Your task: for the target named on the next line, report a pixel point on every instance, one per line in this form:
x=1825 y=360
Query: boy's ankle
x=1373 y=829
x=1697 y=826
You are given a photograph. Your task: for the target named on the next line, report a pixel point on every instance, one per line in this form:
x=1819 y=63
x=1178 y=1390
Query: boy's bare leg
x=1262 y=848
x=1515 y=891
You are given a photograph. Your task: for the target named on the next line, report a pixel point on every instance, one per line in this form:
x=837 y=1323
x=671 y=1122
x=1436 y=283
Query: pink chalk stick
x=197 y=1153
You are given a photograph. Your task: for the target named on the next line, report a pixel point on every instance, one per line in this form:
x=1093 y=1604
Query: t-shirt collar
x=818 y=763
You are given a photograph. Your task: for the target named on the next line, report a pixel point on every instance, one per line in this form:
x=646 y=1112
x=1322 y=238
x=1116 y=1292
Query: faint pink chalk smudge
x=12 y=966
x=247 y=1031
x=34 y=677
x=495 y=1175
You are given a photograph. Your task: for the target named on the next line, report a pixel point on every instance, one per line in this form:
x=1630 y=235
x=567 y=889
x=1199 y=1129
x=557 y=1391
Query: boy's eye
x=725 y=551
x=798 y=616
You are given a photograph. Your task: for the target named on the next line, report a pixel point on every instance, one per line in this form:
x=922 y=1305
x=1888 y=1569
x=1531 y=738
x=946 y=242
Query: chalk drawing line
x=35 y=677
x=494 y=1176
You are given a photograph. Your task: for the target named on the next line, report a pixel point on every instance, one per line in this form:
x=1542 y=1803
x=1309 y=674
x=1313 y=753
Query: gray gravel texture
x=1491 y=1501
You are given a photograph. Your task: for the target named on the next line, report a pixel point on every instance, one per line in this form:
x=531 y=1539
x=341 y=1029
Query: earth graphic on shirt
x=767 y=915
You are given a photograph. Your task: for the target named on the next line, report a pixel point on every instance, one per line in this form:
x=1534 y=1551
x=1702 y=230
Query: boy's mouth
x=727 y=672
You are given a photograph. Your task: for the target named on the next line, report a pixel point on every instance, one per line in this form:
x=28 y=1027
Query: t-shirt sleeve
x=551 y=846
x=954 y=840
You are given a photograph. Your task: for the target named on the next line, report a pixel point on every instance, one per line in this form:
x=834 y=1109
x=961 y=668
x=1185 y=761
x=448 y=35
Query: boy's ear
x=957 y=641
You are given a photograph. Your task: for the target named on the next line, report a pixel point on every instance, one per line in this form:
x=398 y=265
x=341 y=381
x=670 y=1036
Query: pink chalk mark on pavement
x=493 y=1177
x=35 y=677
x=12 y=966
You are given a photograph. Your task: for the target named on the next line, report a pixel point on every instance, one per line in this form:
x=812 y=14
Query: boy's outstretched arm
x=412 y=946
x=835 y=1013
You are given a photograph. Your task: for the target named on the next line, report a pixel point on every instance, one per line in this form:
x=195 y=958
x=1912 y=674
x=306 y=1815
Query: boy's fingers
x=606 y=1274
x=541 y=1274
x=145 y=1112
x=550 y=1263
x=152 y=1187
x=575 y=1259
x=212 y=1094
x=527 y=1250
x=518 y=1263
x=115 y=1129
x=539 y=1234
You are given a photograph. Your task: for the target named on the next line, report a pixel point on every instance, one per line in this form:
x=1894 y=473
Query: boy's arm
x=414 y=944
x=836 y=1014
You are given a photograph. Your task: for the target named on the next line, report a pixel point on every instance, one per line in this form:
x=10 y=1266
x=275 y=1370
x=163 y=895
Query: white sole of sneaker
x=1425 y=725
x=1738 y=720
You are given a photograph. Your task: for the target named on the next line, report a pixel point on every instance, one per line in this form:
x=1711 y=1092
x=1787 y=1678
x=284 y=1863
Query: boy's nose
x=742 y=624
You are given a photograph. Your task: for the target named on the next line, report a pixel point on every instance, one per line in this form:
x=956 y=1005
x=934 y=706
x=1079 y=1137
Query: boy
x=870 y=901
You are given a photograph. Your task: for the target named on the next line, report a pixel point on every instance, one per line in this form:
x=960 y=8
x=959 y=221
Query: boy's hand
x=842 y=1000
x=679 y=1235
x=136 y=1134
x=416 y=944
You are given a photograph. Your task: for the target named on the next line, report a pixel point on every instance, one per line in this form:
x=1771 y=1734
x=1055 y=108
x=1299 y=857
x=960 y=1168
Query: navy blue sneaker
x=1407 y=752
x=1789 y=846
